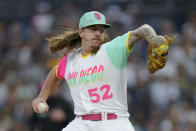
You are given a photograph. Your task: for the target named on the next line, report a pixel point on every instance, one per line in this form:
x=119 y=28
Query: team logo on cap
x=97 y=16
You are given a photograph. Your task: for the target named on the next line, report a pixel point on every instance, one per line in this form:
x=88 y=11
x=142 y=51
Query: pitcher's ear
x=80 y=32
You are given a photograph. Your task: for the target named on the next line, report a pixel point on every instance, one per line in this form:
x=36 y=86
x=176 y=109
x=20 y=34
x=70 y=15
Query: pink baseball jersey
x=98 y=82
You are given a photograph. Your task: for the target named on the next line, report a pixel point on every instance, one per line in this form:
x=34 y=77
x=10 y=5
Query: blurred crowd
x=164 y=101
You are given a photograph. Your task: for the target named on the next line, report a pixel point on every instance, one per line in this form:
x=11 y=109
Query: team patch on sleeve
x=61 y=67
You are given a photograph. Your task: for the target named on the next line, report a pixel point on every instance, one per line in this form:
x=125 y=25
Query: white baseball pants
x=120 y=124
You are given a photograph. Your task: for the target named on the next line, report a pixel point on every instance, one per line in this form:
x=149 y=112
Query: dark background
x=164 y=101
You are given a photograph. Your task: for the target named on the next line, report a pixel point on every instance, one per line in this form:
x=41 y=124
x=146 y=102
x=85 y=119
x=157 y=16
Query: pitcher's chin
x=95 y=49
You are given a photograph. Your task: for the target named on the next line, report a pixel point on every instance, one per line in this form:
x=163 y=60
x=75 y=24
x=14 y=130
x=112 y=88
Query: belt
x=98 y=117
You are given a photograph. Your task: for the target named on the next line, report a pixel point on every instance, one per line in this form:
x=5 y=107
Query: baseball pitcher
x=95 y=71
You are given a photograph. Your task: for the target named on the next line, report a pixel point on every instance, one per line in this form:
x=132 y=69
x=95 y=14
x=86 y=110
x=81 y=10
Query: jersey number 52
x=93 y=93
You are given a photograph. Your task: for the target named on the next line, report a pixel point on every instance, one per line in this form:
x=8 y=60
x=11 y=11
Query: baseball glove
x=157 y=57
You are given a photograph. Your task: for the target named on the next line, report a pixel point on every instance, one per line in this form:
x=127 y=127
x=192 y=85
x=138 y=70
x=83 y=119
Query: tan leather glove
x=157 y=57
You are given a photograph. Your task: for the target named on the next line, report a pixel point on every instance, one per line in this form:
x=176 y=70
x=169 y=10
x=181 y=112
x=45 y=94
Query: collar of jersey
x=85 y=56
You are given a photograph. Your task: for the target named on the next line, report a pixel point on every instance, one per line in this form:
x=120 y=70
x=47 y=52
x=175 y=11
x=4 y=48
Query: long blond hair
x=68 y=41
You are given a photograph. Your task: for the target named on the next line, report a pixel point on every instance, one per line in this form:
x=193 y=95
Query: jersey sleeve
x=61 y=68
x=118 y=50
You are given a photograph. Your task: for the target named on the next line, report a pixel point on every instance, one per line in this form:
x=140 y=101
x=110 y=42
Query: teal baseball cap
x=93 y=18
